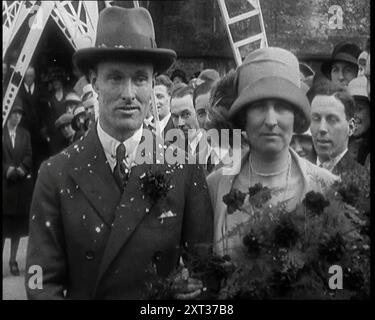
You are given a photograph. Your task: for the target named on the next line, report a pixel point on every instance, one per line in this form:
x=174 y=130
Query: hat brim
x=71 y=102
x=275 y=88
x=326 y=66
x=162 y=59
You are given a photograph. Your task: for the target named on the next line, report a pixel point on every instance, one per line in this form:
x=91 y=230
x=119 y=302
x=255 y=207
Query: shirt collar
x=148 y=121
x=193 y=144
x=30 y=89
x=164 y=121
x=330 y=164
x=110 y=145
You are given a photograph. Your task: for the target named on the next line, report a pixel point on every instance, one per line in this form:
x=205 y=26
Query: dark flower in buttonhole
x=259 y=195
x=315 y=202
x=234 y=200
x=155 y=185
x=286 y=233
x=332 y=248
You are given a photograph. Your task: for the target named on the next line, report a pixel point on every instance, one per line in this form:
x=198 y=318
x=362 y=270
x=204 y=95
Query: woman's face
x=57 y=84
x=269 y=126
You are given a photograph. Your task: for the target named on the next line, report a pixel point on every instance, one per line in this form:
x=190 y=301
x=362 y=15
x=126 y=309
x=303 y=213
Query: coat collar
x=129 y=212
x=93 y=176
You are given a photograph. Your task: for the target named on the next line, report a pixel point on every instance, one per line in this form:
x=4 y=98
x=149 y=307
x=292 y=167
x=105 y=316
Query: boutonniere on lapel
x=155 y=185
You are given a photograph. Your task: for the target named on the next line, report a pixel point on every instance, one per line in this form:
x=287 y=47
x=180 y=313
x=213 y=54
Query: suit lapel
x=7 y=141
x=129 y=213
x=93 y=176
x=18 y=143
x=342 y=164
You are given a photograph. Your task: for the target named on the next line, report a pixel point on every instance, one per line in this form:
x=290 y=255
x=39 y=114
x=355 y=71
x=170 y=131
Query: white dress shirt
x=164 y=121
x=12 y=135
x=30 y=89
x=110 y=145
x=330 y=164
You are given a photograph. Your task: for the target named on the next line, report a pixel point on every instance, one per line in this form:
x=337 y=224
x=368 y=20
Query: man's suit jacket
x=31 y=106
x=35 y=118
x=17 y=193
x=98 y=244
x=168 y=126
x=348 y=163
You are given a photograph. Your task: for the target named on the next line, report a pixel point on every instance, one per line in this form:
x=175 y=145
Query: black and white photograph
x=203 y=152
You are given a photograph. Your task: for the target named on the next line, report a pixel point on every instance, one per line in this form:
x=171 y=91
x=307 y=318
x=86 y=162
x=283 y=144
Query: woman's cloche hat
x=271 y=73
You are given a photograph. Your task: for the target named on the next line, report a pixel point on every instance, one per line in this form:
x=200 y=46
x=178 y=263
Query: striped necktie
x=121 y=172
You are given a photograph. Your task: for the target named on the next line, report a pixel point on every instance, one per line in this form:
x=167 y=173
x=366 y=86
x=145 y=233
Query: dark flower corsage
x=155 y=185
x=259 y=195
x=315 y=202
x=234 y=200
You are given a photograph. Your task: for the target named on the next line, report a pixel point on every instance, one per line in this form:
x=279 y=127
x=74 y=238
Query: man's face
x=183 y=113
x=342 y=73
x=124 y=92
x=80 y=121
x=362 y=117
x=57 y=85
x=367 y=74
x=162 y=100
x=201 y=107
x=70 y=108
x=67 y=131
x=15 y=118
x=5 y=70
x=29 y=76
x=269 y=126
x=329 y=127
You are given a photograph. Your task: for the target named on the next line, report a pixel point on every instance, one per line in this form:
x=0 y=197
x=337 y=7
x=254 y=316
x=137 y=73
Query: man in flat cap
x=100 y=227
x=64 y=125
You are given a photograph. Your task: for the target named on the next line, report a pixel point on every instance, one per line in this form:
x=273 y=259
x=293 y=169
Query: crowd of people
x=299 y=133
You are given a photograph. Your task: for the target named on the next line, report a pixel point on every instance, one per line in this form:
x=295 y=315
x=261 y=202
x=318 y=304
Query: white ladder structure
x=78 y=21
x=237 y=45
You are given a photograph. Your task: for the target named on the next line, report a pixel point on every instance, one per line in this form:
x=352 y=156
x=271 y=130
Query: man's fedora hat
x=271 y=73
x=343 y=52
x=125 y=34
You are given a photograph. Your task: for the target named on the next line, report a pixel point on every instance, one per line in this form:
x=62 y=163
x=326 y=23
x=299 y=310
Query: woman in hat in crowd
x=57 y=107
x=17 y=182
x=64 y=125
x=178 y=76
x=302 y=143
x=343 y=66
x=71 y=101
x=91 y=104
x=269 y=106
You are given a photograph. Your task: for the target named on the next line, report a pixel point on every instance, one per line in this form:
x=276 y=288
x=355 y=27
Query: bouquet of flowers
x=321 y=250
x=293 y=255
